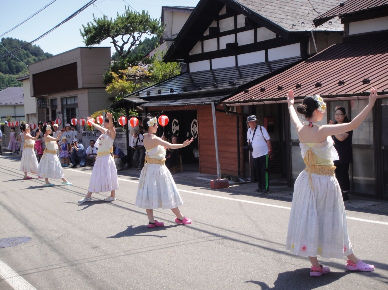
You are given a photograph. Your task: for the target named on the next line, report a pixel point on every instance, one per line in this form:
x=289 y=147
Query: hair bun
x=302 y=108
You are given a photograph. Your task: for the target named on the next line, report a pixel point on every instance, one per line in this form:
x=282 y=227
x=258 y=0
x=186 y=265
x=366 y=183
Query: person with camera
x=78 y=154
x=139 y=150
x=259 y=145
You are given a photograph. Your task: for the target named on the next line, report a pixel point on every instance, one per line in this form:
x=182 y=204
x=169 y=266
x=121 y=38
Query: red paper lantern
x=16 y=123
x=58 y=122
x=74 y=121
x=33 y=126
x=90 y=119
x=133 y=122
x=82 y=122
x=163 y=120
x=122 y=120
x=100 y=119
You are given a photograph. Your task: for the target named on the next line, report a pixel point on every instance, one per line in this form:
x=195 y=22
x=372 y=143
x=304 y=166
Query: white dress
x=49 y=165
x=29 y=163
x=317 y=224
x=104 y=174
x=157 y=188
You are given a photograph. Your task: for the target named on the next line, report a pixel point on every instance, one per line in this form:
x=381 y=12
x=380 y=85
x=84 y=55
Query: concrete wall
x=174 y=21
x=15 y=112
x=98 y=99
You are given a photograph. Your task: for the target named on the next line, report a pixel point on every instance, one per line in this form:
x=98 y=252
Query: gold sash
x=28 y=146
x=103 y=153
x=313 y=168
x=49 y=151
x=155 y=161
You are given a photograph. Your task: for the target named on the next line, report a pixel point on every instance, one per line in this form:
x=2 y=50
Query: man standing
x=91 y=153
x=137 y=145
x=78 y=154
x=259 y=138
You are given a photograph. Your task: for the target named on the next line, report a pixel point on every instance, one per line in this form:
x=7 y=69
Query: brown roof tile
x=350 y=62
x=350 y=7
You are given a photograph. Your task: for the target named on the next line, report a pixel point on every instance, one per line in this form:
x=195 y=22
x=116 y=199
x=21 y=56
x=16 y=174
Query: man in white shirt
x=91 y=153
x=259 y=138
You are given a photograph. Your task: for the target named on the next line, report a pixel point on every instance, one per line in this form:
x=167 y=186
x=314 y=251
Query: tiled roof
x=211 y=81
x=344 y=69
x=350 y=7
x=11 y=96
x=294 y=15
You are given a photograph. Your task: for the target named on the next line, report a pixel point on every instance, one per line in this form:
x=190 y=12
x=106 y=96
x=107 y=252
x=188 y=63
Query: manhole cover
x=10 y=242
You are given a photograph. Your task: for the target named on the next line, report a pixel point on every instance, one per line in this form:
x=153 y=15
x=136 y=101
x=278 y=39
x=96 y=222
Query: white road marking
x=248 y=201
x=13 y=278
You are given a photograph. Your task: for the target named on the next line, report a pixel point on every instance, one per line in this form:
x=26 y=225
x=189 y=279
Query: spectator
x=64 y=152
x=261 y=148
x=139 y=150
x=120 y=158
x=78 y=154
x=55 y=130
x=68 y=133
x=91 y=153
x=172 y=156
x=12 y=140
x=74 y=132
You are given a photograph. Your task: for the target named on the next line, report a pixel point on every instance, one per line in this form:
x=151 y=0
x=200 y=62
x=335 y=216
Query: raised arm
x=50 y=138
x=112 y=130
x=98 y=127
x=329 y=130
x=159 y=141
x=291 y=109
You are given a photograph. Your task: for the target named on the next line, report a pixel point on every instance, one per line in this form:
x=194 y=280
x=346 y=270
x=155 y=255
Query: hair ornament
x=152 y=122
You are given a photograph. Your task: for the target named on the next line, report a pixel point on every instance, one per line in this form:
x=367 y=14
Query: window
x=69 y=109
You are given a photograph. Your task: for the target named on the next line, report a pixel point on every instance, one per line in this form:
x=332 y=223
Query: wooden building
x=228 y=46
x=342 y=74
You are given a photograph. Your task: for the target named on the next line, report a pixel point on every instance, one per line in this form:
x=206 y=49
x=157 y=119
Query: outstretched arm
x=159 y=141
x=291 y=109
x=345 y=127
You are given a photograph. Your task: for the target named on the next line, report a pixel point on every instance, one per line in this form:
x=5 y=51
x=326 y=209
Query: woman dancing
x=157 y=188
x=104 y=174
x=317 y=224
x=49 y=165
x=29 y=163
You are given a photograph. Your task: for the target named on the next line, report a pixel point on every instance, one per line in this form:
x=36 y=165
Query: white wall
x=210 y=45
x=370 y=25
x=196 y=49
x=253 y=57
x=199 y=66
x=29 y=102
x=284 y=52
x=246 y=37
x=226 y=24
x=240 y=20
x=223 y=62
x=12 y=111
x=226 y=39
x=264 y=34
x=174 y=21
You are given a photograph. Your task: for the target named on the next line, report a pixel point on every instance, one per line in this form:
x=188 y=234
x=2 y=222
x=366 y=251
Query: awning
x=128 y=102
x=185 y=102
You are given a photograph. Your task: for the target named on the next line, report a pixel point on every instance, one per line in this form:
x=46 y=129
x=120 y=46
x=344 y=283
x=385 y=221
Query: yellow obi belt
x=313 y=168
x=28 y=146
x=103 y=153
x=155 y=161
x=49 y=151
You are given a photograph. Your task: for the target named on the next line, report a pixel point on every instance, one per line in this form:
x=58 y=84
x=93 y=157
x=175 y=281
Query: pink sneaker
x=317 y=272
x=27 y=177
x=156 y=224
x=360 y=266
x=185 y=221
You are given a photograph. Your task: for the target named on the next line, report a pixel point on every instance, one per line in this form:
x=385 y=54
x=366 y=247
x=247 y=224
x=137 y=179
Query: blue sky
x=67 y=36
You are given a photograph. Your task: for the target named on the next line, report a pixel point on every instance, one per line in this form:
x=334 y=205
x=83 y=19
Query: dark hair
x=145 y=122
x=308 y=106
x=106 y=120
x=13 y=128
x=40 y=123
x=343 y=110
x=44 y=128
x=49 y=121
x=22 y=127
x=92 y=140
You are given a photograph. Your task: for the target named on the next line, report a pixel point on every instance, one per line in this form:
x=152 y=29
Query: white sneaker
x=85 y=199
x=110 y=198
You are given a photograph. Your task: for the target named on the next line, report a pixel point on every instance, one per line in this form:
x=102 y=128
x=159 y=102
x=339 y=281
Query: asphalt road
x=235 y=241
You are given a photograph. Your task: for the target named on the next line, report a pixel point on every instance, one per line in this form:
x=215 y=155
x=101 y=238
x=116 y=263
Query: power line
x=37 y=12
x=13 y=54
x=52 y=29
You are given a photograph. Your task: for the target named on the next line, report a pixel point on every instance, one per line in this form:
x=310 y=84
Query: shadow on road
x=300 y=279
x=141 y=231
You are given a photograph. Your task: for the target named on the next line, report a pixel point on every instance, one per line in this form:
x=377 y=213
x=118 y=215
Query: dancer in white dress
x=49 y=165
x=157 y=188
x=317 y=224
x=29 y=163
x=104 y=174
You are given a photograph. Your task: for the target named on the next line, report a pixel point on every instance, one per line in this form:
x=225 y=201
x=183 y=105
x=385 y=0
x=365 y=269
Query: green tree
x=125 y=31
x=161 y=70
